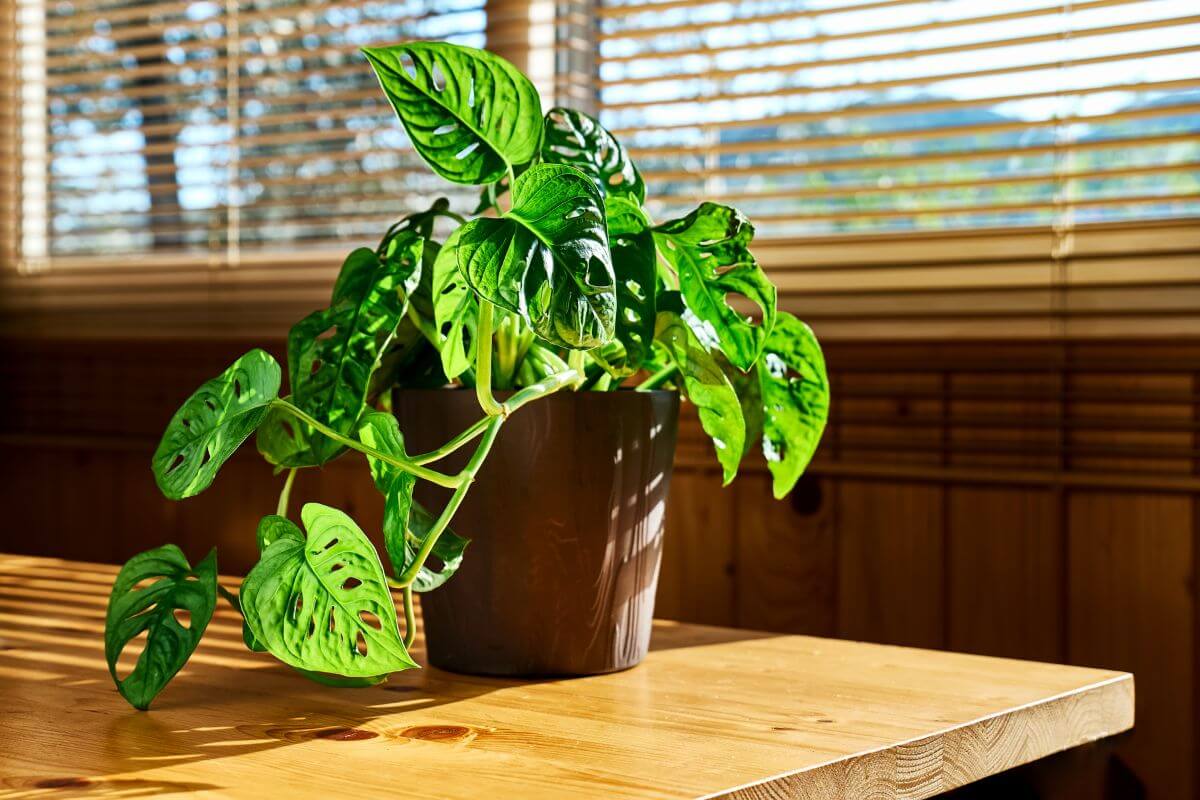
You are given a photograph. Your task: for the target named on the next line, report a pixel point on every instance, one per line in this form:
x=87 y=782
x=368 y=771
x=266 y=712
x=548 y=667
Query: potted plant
x=559 y=293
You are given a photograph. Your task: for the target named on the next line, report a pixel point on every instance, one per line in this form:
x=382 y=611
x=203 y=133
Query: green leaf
x=170 y=638
x=322 y=604
x=634 y=258
x=212 y=424
x=547 y=259
x=455 y=310
x=709 y=249
x=795 y=400
x=470 y=114
x=272 y=528
x=333 y=353
x=406 y=524
x=704 y=383
x=574 y=138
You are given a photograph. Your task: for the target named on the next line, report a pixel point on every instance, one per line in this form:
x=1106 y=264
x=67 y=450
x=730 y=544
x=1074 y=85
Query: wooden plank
x=712 y=712
x=696 y=583
x=1004 y=573
x=890 y=563
x=1132 y=605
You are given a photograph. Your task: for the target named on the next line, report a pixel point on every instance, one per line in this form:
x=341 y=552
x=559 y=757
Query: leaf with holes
x=213 y=423
x=406 y=524
x=322 y=603
x=547 y=259
x=574 y=138
x=470 y=114
x=709 y=250
x=633 y=257
x=795 y=400
x=455 y=310
x=703 y=382
x=173 y=611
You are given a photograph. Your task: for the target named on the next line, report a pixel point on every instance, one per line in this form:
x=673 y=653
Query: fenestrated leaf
x=332 y=353
x=703 y=382
x=322 y=604
x=710 y=251
x=547 y=259
x=795 y=400
x=212 y=424
x=574 y=138
x=470 y=114
x=406 y=524
x=633 y=257
x=455 y=310
x=170 y=639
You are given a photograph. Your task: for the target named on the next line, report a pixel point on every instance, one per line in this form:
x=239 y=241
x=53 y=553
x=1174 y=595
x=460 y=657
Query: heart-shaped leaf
x=703 y=382
x=332 y=353
x=795 y=400
x=547 y=259
x=212 y=424
x=709 y=249
x=455 y=310
x=406 y=524
x=272 y=528
x=322 y=603
x=173 y=611
x=574 y=138
x=470 y=114
x=633 y=257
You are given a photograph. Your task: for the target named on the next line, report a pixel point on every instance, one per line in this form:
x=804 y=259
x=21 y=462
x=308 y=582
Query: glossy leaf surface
x=633 y=257
x=322 y=604
x=455 y=310
x=547 y=259
x=704 y=383
x=405 y=523
x=574 y=138
x=795 y=400
x=212 y=424
x=470 y=114
x=709 y=250
x=173 y=611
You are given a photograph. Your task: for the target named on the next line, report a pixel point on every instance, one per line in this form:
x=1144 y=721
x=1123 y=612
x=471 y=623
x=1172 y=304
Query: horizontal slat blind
x=222 y=130
x=884 y=148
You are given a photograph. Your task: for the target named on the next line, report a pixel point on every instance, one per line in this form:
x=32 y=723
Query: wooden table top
x=712 y=712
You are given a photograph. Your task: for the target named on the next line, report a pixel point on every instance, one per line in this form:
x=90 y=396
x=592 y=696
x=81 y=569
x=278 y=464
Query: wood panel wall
x=1038 y=501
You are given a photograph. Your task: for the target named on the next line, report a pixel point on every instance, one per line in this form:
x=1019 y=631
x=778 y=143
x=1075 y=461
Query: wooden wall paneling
x=1004 y=568
x=697 y=582
x=786 y=557
x=1132 y=607
x=890 y=562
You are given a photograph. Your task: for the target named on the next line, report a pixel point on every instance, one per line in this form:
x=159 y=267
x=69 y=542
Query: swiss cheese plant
x=561 y=281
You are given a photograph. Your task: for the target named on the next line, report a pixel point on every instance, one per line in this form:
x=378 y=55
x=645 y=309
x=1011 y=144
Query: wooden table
x=711 y=713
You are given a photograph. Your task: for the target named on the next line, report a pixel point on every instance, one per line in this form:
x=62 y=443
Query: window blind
x=922 y=168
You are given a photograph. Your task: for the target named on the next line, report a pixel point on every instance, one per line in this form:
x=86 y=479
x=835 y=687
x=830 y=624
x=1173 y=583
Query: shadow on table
x=670 y=635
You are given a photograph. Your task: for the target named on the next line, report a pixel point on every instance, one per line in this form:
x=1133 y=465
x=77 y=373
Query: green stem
x=452 y=445
x=282 y=506
x=422 y=325
x=441 y=479
x=658 y=379
x=233 y=599
x=483 y=361
x=575 y=362
x=410 y=618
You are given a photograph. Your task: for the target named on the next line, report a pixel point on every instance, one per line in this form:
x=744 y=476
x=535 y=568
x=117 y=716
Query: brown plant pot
x=565 y=521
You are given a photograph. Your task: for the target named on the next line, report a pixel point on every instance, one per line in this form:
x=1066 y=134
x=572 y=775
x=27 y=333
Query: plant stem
x=282 y=507
x=575 y=362
x=483 y=361
x=441 y=479
x=658 y=379
x=452 y=445
x=410 y=618
x=233 y=599
x=423 y=326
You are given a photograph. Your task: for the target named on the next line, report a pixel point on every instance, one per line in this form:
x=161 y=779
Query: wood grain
x=711 y=713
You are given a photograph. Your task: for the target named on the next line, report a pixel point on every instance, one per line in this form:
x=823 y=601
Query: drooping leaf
x=406 y=524
x=332 y=353
x=709 y=250
x=634 y=257
x=574 y=138
x=212 y=424
x=795 y=400
x=322 y=604
x=455 y=310
x=470 y=114
x=173 y=611
x=272 y=528
x=547 y=259
x=703 y=382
